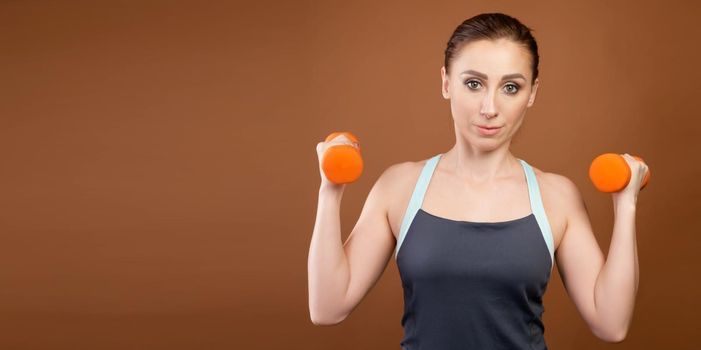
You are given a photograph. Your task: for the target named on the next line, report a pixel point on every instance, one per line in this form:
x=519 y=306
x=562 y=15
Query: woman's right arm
x=341 y=274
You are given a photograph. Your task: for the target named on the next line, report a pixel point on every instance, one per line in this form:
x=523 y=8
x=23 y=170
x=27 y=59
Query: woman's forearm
x=617 y=283
x=327 y=266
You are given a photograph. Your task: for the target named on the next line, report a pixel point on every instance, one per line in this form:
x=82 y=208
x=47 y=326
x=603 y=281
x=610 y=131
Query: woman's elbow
x=612 y=336
x=318 y=320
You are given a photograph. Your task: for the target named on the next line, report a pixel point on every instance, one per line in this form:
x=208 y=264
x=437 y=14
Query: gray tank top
x=473 y=285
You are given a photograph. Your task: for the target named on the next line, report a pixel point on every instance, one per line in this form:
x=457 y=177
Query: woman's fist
x=638 y=171
x=339 y=159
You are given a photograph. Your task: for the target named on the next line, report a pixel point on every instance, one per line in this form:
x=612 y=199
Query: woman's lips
x=488 y=131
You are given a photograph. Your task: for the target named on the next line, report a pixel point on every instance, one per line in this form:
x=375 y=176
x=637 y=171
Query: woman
x=476 y=248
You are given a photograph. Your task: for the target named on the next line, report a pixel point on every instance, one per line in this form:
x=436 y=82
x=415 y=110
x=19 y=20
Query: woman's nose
x=488 y=105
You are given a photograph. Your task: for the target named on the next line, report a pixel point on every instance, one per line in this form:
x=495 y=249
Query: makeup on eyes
x=511 y=83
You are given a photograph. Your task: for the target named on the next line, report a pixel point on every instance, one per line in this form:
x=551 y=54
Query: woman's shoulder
x=556 y=186
x=404 y=171
x=560 y=195
x=552 y=179
x=395 y=184
x=397 y=177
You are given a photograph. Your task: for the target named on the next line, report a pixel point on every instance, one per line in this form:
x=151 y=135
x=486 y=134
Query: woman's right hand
x=321 y=147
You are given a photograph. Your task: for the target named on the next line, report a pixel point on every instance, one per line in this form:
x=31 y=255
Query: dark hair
x=492 y=26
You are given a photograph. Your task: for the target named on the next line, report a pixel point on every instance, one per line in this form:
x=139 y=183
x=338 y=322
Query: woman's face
x=489 y=85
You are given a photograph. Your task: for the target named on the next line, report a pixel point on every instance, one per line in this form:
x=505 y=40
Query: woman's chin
x=485 y=144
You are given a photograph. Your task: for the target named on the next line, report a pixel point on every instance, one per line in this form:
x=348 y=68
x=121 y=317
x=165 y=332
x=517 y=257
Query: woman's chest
x=499 y=203
x=437 y=251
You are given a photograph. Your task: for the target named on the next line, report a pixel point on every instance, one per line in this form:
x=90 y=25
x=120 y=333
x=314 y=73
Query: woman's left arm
x=603 y=291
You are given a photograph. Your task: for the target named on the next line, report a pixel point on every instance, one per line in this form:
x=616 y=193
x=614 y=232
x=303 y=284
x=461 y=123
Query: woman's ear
x=444 y=84
x=531 y=98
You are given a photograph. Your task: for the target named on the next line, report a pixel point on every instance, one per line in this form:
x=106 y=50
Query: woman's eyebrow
x=484 y=76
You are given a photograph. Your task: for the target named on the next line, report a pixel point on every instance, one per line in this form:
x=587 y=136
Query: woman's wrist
x=624 y=204
x=331 y=190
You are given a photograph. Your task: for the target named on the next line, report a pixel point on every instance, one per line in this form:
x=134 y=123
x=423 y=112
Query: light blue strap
x=539 y=210
x=417 y=199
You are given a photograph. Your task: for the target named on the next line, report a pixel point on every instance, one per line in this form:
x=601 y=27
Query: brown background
x=159 y=175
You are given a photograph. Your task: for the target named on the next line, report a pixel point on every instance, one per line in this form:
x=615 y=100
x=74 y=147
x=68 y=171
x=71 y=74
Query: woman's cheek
x=461 y=116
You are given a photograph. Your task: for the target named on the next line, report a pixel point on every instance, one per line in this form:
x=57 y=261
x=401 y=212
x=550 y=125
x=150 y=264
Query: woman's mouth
x=488 y=130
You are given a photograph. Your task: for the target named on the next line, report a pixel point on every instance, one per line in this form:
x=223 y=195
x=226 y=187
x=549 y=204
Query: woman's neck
x=480 y=167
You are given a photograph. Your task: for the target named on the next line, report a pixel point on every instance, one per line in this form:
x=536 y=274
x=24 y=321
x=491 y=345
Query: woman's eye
x=472 y=84
x=510 y=88
x=513 y=90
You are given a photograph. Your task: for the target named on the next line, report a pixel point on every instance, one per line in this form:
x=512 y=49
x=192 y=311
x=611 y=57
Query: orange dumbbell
x=610 y=173
x=342 y=163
